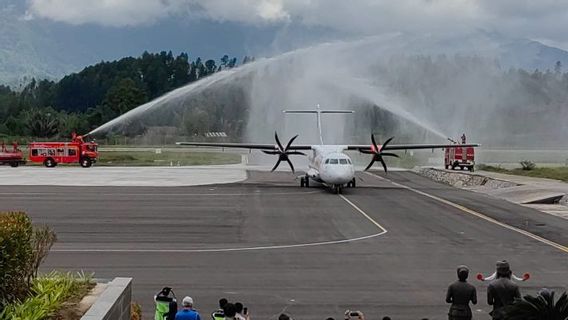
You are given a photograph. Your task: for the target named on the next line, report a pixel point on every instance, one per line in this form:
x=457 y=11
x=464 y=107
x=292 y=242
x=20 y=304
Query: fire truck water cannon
x=75 y=151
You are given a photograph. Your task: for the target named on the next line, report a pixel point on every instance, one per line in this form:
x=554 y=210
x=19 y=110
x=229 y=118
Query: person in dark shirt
x=459 y=294
x=502 y=292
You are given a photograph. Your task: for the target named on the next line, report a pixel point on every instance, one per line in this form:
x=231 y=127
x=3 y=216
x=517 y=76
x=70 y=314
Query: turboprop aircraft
x=328 y=164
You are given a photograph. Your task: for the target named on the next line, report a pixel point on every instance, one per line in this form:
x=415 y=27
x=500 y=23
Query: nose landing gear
x=305 y=182
x=352 y=183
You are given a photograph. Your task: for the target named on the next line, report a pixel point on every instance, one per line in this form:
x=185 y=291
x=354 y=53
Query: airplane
x=328 y=164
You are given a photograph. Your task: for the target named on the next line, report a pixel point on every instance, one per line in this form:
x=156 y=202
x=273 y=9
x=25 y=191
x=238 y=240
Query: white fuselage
x=329 y=165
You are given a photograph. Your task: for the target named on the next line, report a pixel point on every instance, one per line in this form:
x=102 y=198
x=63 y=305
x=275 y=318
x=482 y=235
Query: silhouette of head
x=229 y=310
x=463 y=272
x=222 y=302
x=503 y=269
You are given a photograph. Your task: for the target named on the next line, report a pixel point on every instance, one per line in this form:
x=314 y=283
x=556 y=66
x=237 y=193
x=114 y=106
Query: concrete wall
x=113 y=303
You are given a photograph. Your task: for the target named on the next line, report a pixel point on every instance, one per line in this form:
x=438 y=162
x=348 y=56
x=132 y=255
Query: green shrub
x=16 y=252
x=527 y=165
x=48 y=293
x=23 y=248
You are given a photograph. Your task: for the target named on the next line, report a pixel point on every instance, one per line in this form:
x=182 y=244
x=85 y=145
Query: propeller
x=283 y=153
x=378 y=153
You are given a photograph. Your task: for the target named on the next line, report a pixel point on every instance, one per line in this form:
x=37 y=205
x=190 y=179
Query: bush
x=16 y=252
x=49 y=292
x=135 y=311
x=23 y=248
x=527 y=165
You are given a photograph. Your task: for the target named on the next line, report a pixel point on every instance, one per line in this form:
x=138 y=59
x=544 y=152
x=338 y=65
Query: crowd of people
x=501 y=292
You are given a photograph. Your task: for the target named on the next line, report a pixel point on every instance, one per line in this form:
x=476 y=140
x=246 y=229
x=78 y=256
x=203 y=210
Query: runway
x=389 y=247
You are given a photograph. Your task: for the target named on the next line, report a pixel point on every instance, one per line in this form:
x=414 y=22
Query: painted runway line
x=255 y=248
x=476 y=214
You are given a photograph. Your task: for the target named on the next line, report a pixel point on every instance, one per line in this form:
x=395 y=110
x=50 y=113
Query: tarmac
x=388 y=247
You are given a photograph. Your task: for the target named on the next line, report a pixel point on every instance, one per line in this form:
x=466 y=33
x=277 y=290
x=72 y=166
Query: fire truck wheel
x=86 y=162
x=50 y=163
x=14 y=164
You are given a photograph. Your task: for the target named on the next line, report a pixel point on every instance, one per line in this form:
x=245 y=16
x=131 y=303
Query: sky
x=543 y=20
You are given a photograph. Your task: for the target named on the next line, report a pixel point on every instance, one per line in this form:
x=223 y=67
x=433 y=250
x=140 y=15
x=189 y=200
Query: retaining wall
x=113 y=303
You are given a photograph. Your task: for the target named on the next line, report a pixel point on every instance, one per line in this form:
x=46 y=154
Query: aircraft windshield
x=343 y=161
x=333 y=161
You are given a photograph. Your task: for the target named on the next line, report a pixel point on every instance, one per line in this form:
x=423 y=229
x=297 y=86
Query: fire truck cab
x=13 y=157
x=460 y=157
x=53 y=153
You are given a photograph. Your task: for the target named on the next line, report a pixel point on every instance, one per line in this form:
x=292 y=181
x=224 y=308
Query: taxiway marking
x=476 y=214
x=257 y=248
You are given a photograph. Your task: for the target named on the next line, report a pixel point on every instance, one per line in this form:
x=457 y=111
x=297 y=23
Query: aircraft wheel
x=353 y=183
x=307 y=182
x=302 y=182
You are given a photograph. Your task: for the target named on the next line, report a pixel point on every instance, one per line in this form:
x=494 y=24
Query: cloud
x=543 y=19
x=116 y=13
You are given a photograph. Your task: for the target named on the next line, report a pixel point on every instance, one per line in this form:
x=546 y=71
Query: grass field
x=558 y=173
x=166 y=158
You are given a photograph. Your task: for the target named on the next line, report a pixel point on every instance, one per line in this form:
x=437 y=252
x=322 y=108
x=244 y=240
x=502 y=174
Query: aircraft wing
x=411 y=146
x=257 y=146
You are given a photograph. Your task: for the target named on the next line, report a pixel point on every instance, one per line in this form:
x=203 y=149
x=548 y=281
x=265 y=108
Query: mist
x=417 y=89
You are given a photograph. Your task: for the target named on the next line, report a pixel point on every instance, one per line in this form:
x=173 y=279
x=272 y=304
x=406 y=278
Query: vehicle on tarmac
x=460 y=156
x=328 y=164
x=13 y=158
x=53 y=153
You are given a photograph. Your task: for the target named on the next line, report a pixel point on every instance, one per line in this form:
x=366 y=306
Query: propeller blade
x=384 y=164
x=278 y=141
x=366 y=151
x=296 y=153
x=389 y=155
x=276 y=165
x=271 y=152
x=290 y=142
x=374 y=143
x=370 y=165
x=291 y=165
x=387 y=142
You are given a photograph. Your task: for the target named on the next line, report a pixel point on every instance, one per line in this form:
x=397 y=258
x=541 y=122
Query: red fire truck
x=52 y=153
x=460 y=157
x=13 y=157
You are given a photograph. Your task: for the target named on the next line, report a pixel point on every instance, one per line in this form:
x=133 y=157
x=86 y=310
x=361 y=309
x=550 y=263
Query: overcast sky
x=543 y=20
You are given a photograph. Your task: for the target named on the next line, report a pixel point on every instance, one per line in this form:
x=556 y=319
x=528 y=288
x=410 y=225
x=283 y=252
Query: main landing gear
x=305 y=182
x=352 y=183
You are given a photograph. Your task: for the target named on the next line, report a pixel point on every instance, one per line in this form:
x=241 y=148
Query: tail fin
x=318 y=112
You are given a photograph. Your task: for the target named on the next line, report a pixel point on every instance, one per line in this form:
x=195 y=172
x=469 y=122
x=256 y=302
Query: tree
x=41 y=122
x=541 y=307
x=124 y=96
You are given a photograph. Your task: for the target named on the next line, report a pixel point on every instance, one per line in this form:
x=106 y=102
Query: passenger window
x=72 y=152
x=34 y=152
x=333 y=161
x=343 y=161
x=51 y=152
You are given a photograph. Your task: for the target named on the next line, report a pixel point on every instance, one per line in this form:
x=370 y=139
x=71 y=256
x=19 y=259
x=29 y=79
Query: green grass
x=166 y=158
x=50 y=294
x=558 y=173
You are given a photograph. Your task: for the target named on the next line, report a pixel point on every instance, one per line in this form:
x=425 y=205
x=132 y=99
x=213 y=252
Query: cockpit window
x=349 y=160
x=333 y=161
x=342 y=161
x=327 y=161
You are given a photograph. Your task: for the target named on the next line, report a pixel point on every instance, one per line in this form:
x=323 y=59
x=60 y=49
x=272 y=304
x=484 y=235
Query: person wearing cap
x=459 y=294
x=187 y=313
x=502 y=291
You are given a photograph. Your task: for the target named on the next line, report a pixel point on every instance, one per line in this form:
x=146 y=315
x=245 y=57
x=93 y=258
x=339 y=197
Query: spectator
x=187 y=313
x=386 y=318
x=502 y=291
x=459 y=294
x=284 y=316
x=239 y=309
x=230 y=311
x=219 y=314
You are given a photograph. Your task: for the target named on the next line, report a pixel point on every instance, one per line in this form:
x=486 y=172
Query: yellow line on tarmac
x=477 y=214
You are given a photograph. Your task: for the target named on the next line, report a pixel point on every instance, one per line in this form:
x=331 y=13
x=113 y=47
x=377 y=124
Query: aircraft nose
x=342 y=175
